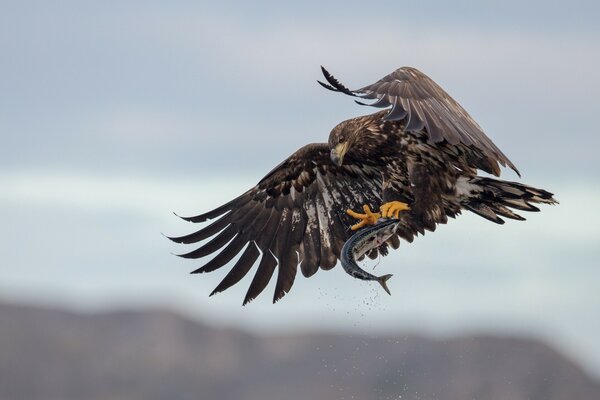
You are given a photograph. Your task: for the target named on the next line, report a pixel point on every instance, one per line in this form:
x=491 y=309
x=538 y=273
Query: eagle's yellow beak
x=338 y=152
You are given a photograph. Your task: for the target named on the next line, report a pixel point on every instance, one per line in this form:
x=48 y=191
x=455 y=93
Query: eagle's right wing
x=296 y=215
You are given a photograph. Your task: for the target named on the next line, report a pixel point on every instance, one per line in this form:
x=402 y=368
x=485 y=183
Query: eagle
x=416 y=160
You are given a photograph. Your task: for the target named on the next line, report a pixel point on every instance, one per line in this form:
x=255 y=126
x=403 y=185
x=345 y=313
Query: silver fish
x=361 y=243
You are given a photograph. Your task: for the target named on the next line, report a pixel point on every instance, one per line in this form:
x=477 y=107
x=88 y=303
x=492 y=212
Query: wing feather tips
x=240 y=269
x=209 y=215
x=235 y=203
x=288 y=267
x=216 y=243
x=263 y=275
x=226 y=255
x=326 y=86
x=203 y=233
x=336 y=86
x=247 y=224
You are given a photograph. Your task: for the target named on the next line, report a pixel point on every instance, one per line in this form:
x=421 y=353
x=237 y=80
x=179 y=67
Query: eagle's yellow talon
x=388 y=210
x=368 y=218
x=393 y=208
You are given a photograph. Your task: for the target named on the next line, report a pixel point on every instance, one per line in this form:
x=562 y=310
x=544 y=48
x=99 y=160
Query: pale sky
x=114 y=115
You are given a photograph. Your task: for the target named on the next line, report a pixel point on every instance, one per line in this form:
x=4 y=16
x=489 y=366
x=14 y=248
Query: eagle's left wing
x=424 y=106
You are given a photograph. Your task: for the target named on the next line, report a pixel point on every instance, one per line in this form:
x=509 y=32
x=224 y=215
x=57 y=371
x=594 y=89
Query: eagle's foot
x=368 y=218
x=392 y=209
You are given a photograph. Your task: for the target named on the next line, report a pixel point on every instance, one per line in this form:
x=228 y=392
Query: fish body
x=361 y=243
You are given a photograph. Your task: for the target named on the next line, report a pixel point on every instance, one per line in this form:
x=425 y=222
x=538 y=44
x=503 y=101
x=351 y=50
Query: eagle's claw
x=368 y=218
x=393 y=208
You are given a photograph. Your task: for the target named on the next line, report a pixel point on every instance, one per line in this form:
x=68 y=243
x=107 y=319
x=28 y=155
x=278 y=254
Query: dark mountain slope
x=49 y=354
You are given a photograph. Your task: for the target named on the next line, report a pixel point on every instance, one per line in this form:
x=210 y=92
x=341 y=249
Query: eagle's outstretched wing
x=294 y=216
x=424 y=105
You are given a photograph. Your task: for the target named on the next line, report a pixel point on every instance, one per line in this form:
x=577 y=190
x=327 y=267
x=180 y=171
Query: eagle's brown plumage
x=425 y=151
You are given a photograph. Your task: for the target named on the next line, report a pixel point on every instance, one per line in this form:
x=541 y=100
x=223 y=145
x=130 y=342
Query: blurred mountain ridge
x=54 y=354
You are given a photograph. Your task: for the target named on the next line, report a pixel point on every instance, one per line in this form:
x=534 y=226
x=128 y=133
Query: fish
x=364 y=241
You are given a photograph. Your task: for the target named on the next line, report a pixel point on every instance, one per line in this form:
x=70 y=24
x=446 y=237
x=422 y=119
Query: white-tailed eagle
x=416 y=160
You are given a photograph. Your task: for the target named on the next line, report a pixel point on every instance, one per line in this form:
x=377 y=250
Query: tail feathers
x=493 y=198
x=493 y=212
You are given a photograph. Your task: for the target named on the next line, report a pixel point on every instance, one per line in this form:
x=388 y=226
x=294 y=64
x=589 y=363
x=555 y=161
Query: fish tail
x=383 y=282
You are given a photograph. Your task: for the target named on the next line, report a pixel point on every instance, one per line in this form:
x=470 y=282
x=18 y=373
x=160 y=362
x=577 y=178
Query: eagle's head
x=349 y=137
x=342 y=138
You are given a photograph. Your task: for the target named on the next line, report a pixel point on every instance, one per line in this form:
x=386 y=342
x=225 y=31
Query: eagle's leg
x=368 y=218
x=393 y=208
